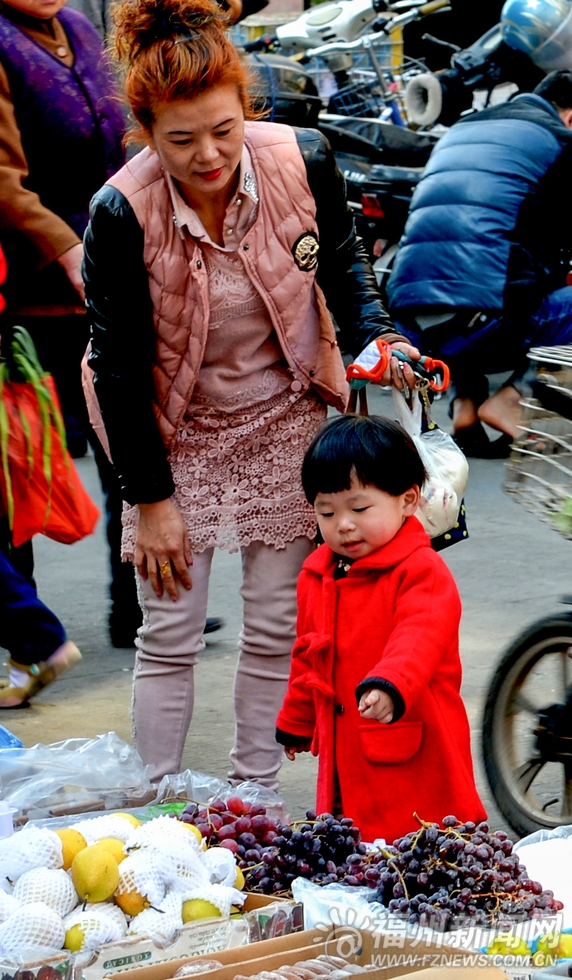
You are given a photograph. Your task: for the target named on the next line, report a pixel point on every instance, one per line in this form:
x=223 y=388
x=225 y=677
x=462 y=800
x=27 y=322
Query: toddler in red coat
x=375 y=682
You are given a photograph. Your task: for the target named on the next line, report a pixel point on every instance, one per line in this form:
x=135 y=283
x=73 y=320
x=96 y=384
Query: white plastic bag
x=547 y=857
x=446 y=465
x=75 y=775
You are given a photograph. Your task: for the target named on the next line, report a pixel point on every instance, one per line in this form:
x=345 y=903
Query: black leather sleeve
x=123 y=347
x=286 y=739
x=344 y=272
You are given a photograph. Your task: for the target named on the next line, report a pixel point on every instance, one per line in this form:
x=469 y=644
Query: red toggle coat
x=395 y=618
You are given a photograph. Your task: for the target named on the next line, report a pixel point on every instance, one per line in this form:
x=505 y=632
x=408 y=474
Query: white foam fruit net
x=155 y=832
x=220 y=864
x=32 y=847
x=113 y=912
x=139 y=872
x=108 y=825
x=32 y=926
x=97 y=926
x=8 y=905
x=160 y=922
x=52 y=886
x=179 y=863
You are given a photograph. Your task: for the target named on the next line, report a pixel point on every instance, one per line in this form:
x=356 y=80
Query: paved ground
x=511 y=571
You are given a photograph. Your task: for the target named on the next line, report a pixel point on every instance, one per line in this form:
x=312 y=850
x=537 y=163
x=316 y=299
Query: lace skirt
x=237 y=474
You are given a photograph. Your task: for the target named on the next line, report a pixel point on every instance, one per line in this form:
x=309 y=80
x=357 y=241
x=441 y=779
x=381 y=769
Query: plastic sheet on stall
x=337 y=905
x=329 y=906
x=8 y=740
x=78 y=775
x=547 y=857
x=201 y=788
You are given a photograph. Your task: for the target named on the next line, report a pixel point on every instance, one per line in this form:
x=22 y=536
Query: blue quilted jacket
x=488 y=227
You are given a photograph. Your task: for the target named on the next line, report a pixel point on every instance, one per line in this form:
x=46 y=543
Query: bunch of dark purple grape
x=319 y=848
x=444 y=877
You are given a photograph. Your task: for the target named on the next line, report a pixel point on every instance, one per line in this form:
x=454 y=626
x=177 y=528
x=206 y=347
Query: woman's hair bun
x=141 y=23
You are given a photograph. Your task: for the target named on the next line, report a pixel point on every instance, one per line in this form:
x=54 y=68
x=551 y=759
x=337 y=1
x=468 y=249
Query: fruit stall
x=227 y=884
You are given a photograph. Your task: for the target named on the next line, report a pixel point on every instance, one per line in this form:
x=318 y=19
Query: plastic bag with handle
x=448 y=469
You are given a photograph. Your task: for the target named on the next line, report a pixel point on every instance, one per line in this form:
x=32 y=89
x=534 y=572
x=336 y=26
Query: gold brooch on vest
x=305 y=251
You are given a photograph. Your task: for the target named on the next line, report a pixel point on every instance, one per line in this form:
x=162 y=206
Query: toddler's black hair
x=376 y=450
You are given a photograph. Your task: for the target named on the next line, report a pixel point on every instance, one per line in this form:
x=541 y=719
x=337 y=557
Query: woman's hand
x=291 y=751
x=377 y=705
x=399 y=373
x=162 y=549
x=71 y=262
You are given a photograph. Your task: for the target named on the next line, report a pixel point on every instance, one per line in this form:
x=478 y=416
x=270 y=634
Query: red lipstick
x=210 y=174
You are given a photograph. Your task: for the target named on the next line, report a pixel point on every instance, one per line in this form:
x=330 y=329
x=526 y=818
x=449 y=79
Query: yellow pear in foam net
x=32 y=847
x=92 y=928
x=140 y=872
x=32 y=925
x=52 y=886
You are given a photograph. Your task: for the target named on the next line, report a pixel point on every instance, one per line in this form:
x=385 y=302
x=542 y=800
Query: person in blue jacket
x=482 y=269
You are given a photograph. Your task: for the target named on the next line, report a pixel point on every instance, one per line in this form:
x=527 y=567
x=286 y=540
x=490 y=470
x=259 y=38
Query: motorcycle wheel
x=530 y=790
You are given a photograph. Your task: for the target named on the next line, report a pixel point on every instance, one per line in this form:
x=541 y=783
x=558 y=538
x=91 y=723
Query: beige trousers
x=170 y=639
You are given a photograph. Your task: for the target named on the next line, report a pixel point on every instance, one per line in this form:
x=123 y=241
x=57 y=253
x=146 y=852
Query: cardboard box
x=408 y=958
x=194 y=939
x=61 y=964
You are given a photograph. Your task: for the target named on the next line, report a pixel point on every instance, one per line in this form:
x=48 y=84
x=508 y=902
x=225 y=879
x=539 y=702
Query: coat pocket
x=390 y=743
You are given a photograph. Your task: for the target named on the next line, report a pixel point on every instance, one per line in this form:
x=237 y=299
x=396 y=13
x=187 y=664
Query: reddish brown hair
x=174 y=49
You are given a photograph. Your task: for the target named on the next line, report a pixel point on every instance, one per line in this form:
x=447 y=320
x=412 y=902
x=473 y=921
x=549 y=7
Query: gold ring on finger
x=165 y=568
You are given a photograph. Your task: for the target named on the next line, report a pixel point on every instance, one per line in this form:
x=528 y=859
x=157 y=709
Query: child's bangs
x=336 y=455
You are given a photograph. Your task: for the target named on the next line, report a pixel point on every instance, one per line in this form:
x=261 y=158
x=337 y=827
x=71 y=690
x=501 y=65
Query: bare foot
x=503 y=411
x=464 y=414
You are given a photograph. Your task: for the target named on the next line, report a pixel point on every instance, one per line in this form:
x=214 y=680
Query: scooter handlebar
x=259 y=44
x=392 y=24
x=433 y=7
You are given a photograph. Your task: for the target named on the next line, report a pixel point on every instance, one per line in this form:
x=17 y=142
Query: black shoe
x=213 y=624
x=474 y=443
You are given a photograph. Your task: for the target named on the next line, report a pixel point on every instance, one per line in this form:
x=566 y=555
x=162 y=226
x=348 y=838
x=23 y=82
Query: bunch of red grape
x=244 y=828
x=444 y=877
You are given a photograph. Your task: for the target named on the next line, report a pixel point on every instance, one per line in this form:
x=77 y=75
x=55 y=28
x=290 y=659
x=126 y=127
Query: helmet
x=535 y=26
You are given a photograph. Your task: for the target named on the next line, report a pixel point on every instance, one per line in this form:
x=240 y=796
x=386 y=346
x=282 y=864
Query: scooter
x=527 y=723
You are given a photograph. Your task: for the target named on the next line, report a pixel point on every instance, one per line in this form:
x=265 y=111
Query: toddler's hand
x=377 y=705
x=292 y=750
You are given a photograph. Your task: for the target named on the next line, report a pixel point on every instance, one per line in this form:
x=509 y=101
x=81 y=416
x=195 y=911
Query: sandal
x=40 y=675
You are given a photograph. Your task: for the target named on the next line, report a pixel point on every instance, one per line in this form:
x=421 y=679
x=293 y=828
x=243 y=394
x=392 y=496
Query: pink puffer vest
x=178 y=278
